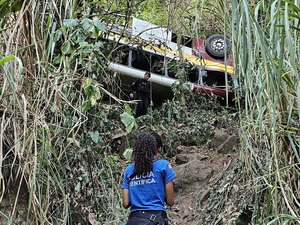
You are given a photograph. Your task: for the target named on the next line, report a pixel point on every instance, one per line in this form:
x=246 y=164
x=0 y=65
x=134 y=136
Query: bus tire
x=215 y=46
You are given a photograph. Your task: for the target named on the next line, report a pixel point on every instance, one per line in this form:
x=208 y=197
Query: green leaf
x=78 y=187
x=95 y=136
x=100 y=26
x=9 y=6
x=86 y=105
x=57 y=35
x=78 y=36
x=91 y=89
x=87 y=82
x=7 y=59
x=12 y=57
x=128 y=153
x=99 y=44
x=57 y=60
x=94 y=32
x=86 y=23
x=83 y=44
x=87 y=86
x=66 y=47
x=111 y=159
x=97 y=94
x=129 y=121
x=69 y=23
x=128 y=109
x=93 y=100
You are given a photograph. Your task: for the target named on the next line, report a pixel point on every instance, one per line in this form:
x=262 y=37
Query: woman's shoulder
x=130 y=167
x=162 y=162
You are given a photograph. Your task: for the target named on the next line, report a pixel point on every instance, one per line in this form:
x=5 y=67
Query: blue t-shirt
x=148 y=192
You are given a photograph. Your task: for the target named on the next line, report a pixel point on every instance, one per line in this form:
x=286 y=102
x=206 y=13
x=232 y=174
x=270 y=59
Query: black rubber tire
x=215 y=46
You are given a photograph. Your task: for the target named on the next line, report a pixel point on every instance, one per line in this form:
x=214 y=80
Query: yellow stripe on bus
x=196 y=60
x=207 y=64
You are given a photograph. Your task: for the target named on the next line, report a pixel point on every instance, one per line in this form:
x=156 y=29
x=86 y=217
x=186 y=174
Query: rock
x=219 y=138
x=190 y=173
x=204 y=196
x=181 y=159
x=202 y=157
x=229 y=145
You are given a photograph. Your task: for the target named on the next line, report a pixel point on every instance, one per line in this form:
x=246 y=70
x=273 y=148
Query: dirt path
x=198 y=171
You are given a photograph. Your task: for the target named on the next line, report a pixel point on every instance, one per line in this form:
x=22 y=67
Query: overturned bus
x=208 y=65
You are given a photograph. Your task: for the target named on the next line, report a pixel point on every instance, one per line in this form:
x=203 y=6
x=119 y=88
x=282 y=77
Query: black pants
x=142 y=107
x=148 y=218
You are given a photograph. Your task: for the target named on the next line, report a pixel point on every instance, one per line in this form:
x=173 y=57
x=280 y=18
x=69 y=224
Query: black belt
x=149 y=214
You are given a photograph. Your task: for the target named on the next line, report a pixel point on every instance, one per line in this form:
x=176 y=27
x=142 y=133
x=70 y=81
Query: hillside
x=67 y=124
x=207 y=167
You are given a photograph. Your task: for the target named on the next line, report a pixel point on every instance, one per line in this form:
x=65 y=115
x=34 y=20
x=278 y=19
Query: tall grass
x=53 y=140
x=266 y=42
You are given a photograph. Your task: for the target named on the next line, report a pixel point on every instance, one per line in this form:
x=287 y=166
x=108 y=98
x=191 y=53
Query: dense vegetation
x=266 y=39
x=60 y=141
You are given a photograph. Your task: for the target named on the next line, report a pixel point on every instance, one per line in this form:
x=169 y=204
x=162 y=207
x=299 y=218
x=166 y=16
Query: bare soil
x=209 y=187
x=197 y=171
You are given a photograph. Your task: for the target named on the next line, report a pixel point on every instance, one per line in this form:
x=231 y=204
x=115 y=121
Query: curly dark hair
x=159 y=143
x=143 y=152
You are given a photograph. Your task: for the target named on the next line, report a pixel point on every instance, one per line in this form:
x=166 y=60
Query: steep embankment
x=200 y=138
x=208 y=186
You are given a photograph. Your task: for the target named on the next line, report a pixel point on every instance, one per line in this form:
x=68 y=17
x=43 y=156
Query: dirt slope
x=201 y=174
x=195 y=176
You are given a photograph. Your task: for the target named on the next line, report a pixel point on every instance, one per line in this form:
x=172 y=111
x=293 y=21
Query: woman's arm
x=125 y=202
x=170 y=193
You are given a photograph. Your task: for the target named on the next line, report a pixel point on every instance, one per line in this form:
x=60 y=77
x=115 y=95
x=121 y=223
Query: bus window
x=186 y=41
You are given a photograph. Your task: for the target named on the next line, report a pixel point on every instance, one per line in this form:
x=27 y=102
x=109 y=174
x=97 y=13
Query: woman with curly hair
x=148 y=184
